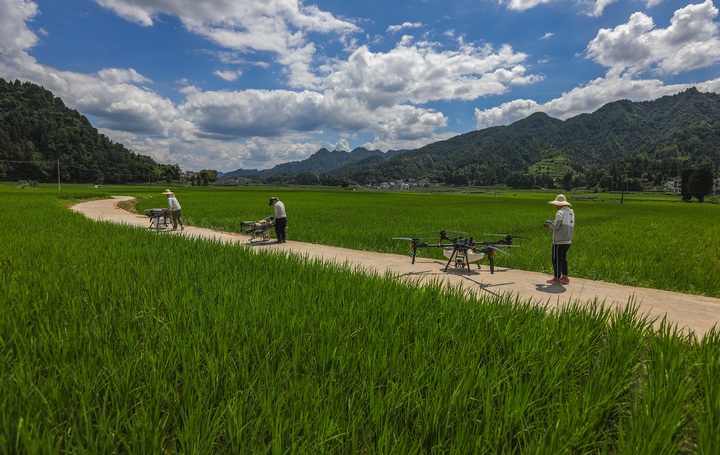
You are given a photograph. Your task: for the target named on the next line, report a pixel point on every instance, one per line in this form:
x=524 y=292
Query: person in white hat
x=174 y=209
x=563 y=227
x=280 y=219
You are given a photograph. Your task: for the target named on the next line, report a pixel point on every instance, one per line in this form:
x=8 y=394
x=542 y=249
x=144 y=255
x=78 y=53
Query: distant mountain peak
x=321 y=162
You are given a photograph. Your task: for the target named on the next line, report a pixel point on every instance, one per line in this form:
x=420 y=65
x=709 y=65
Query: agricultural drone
x=258 y=229
x=462 y=251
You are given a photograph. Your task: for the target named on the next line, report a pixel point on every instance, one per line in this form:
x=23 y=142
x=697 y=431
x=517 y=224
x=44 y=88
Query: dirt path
x=692 y=312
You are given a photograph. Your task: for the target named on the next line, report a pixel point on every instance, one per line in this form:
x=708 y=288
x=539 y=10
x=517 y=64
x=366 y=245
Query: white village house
x=674 y=186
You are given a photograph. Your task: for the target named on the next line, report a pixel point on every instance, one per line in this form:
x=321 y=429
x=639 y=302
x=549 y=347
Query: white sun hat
x=560 y=201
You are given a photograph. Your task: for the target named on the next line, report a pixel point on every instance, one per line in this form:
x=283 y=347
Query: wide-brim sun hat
x=273 y=200
x=168 y=192
x=560 y=201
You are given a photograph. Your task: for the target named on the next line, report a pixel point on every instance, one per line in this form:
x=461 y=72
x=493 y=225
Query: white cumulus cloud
x=405 y=25
x=587 y=98
x=691 y=41
x=390 y=95
x=419 y=73
x=635 y=54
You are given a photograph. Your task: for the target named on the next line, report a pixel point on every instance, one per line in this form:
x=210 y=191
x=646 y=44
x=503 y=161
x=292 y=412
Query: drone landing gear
x=461 y=260
x=460 y=256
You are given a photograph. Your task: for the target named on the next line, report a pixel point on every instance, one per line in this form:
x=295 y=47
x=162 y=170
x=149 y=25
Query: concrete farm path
x=689 y=312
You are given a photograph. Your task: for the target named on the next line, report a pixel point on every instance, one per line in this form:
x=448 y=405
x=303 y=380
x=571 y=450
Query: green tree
x=700 y=183
x=307 y=178
x=208 y=176
x=169 y=172
x=523 y=180
x=685 y=184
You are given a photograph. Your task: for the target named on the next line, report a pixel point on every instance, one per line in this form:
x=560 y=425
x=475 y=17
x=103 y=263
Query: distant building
x=404 y=185
x=394 y=186
x=674 y=186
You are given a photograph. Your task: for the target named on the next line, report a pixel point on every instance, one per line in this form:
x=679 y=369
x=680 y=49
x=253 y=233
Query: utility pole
x=58 y=169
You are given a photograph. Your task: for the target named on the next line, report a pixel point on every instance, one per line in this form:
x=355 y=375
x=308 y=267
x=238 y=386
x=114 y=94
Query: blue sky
x=228 y=84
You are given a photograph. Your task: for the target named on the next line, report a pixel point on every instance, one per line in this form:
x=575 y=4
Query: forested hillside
x=633 y=142
x=38 y=134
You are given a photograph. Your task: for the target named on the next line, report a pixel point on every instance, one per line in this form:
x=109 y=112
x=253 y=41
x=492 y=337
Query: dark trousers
x=177 y=218
x=559 y=260
x=280 y=224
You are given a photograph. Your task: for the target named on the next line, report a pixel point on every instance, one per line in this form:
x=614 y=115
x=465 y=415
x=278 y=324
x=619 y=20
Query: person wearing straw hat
x=174 y=209
x=563 y=227
x=280 y=219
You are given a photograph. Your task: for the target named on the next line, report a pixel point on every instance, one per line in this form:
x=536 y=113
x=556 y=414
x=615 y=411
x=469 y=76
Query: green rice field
x=119 y=340
x=649 y=240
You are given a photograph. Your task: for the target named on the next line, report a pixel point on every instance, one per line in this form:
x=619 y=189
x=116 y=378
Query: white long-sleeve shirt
x=563 y=226
x=279 y=210
x=173 y=204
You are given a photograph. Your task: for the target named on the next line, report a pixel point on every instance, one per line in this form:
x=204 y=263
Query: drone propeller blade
x=508 y=235
x=415 y=242
x=432 y=235
x=454 y=232
x=492 y=247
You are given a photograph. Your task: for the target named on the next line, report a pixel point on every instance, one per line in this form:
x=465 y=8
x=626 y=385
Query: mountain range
x=636 y=143
x=683 y=128
x=321 y=162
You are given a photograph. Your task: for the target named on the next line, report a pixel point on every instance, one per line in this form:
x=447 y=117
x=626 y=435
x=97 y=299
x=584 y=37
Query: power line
x=75 y=166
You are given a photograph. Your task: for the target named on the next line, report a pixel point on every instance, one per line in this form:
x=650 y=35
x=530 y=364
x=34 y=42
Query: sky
x=231 y=84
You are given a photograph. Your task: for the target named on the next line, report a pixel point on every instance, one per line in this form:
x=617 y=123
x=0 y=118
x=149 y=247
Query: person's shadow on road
x=550 y=288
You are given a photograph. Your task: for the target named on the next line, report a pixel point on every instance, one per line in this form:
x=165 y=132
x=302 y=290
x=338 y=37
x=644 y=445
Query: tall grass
x=114 y=339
